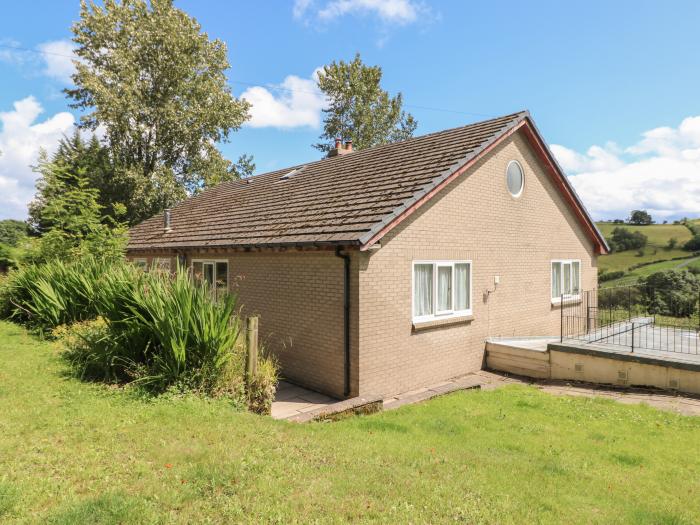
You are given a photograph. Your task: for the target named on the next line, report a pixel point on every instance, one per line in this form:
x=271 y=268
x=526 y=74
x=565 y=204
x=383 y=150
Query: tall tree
x=75 y=154
x=156 y=85
x=359 y=109
x=73 y=218
x=12 y=231
x=640 y=217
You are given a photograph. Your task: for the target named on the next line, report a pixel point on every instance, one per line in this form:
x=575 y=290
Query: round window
x=515 y=178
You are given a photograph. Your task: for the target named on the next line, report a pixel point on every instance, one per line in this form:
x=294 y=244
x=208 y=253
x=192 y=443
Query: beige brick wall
x=299 y=298
x=474 y=218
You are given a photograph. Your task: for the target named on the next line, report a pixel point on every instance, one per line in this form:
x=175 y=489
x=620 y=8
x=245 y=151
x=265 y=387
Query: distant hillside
x=656 y=251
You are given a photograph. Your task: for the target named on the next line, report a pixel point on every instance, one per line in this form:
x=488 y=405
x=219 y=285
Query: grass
x=634 y=275
x=658 y=235
x=72 y=452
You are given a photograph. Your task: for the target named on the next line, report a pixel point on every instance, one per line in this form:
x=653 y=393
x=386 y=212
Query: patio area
x=292 y=400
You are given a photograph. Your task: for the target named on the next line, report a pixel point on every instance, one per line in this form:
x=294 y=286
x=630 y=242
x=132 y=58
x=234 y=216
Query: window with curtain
x=566 y=279
x=441 y=289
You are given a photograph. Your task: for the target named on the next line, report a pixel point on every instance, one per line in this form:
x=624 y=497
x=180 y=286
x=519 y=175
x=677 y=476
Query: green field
x=644 y=271
x=72 y=452
x=658 y=235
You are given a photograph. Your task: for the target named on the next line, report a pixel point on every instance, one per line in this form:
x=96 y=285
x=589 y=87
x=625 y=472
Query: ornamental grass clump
x=122 y=325
x=185 y=335
x=44 y=296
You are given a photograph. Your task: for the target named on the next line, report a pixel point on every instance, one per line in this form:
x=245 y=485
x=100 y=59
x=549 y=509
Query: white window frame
x=447 y=314
x=570 y=296
x=214 y=261
x=522 y=172
x=159 y=264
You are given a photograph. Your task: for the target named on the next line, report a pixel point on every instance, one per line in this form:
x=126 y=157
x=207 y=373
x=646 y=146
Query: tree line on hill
x=155 y=102
x=623 y=239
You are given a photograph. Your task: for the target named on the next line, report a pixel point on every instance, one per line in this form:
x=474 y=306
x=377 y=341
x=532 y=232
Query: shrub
x=89 y=349
x=189 y=337
x=7 y=261
x=693 y=244
x=672 y=243
x=121 y=324
x=625 y=298
x=623 y=239
x=671 y=292
x=262 y=387
x=47 y=295
x=610 y=276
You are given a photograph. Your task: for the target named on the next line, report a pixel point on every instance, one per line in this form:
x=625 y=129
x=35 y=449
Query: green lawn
x=633 y=276
x=77 y=453
x=658 y=235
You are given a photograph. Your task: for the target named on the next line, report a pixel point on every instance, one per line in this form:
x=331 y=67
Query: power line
x=268 y=85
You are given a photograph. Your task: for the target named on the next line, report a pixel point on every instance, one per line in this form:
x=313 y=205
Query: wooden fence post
x=252 y=347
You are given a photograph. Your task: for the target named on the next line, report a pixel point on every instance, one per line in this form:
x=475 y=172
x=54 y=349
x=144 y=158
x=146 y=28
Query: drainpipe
x=346 y=316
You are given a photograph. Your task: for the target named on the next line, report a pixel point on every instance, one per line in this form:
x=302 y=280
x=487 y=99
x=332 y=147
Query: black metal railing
x=634 y=317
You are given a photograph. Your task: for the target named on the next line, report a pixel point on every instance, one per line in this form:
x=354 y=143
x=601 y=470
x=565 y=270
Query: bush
x=672 y=243
x=120 y=324
x=262 y=387
x=7 y=261
x=671 y=292
x=610 y=276
x=623 y=239
x=45 y=296
x=693 y=244
x=89 y=349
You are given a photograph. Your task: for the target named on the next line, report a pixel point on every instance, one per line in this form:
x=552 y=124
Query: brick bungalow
x=384 y=270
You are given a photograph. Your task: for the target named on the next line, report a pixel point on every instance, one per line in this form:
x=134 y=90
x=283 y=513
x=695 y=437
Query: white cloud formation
x=660 y=173
x=389 y=11
x=51 y=59
x=58 y=58
x=297 y=103
x=21 y=138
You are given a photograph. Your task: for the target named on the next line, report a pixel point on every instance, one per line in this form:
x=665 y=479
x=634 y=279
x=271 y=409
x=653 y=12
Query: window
x=161 y=264
x=566 y=279
x=212 y=273
x=515 y=178
x=441 y=289
x=140 y=263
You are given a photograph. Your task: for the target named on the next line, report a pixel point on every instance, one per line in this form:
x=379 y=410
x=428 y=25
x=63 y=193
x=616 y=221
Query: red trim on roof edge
x=557 y=176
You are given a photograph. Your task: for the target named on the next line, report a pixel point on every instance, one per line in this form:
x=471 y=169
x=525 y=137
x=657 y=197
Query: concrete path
x=291 y=400
x=295 y=403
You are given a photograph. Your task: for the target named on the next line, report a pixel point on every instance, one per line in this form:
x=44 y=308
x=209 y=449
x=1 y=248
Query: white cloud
x=21 y=138
x=660 y=173
x=58 y=58
x=297 y=103
x=399 y=12
x=51 y=59
x=13 y=53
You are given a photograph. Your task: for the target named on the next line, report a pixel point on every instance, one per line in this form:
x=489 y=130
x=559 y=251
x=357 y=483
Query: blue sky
x=613 y=86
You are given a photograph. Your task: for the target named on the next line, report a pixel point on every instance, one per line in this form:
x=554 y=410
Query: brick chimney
x=341 y=149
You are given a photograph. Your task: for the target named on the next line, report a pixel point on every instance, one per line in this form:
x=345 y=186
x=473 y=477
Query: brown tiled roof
x=339 y=200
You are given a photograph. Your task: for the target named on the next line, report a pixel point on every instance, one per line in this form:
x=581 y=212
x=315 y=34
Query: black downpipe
x=346 y=316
